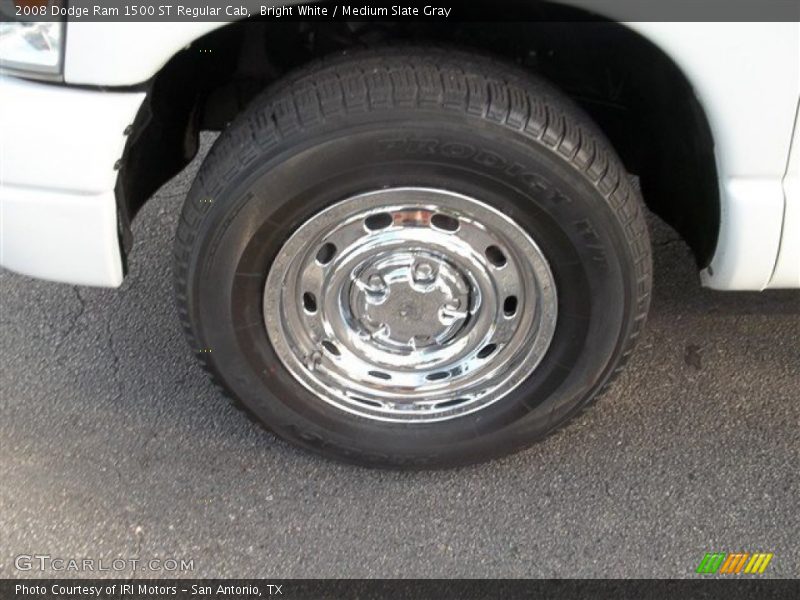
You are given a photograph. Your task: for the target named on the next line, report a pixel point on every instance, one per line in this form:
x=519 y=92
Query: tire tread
x=476 y=86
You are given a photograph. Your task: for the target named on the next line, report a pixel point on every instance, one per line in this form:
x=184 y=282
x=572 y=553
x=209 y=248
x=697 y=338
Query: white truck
x=413 y=244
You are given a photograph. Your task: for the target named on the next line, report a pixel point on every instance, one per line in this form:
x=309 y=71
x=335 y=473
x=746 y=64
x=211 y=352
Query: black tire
x=414 y=117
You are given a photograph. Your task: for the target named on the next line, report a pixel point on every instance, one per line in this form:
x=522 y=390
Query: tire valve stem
x=313 y=360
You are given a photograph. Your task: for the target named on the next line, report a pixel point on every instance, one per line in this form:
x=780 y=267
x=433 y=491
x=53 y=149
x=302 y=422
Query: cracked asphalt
x=115 y=445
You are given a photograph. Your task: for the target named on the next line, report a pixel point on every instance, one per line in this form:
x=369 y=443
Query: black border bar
x=731 y=588
x=414 y=10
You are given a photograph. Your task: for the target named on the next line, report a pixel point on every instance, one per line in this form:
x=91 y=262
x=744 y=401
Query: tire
x=363 y=130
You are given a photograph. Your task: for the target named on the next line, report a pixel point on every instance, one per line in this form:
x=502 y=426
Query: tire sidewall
x=257 y=210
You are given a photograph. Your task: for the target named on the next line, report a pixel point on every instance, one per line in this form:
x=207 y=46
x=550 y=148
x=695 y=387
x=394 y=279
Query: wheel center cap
x=406 y=300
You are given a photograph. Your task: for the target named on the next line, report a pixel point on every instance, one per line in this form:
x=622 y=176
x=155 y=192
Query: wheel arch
x=636 y=89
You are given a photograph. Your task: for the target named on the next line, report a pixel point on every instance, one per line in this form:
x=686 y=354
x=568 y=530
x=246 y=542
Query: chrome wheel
x=410 y=304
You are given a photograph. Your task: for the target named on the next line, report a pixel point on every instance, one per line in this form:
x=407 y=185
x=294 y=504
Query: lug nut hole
x=326 y=253
x=444 y=222
x=310 y=302
x=450 y=403
x=379 y=221
x=438 y=376
x=331 y=347
x=487 y=350
x=510 y=306
x=368 y=402
x=496 y=256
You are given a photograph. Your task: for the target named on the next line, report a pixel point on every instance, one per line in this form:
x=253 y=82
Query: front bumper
x=58 y=150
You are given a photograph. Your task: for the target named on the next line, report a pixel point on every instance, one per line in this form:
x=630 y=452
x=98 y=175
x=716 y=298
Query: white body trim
x=747 y=79
x=60 y=236
x=787 y=269
x=58 y=211
x=749 y=236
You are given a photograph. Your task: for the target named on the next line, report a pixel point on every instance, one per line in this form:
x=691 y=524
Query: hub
x=410 y=300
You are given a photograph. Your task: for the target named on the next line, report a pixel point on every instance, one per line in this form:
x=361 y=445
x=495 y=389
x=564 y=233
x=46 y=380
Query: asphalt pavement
x=115 y=445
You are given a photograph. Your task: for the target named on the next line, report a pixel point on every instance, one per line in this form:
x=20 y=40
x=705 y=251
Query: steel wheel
x=368 y=260
x=410 y=304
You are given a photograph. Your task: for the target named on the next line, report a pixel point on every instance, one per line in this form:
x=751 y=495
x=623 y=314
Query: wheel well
x=636 y=94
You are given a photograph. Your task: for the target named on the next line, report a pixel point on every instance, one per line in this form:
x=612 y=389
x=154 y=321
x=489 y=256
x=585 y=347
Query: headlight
x=32 y=48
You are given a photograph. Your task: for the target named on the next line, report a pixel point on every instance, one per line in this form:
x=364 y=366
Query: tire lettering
x=490 y=160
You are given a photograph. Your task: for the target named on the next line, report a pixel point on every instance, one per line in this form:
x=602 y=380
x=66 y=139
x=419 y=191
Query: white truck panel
x=787 y=269
x=746 y=76
x=58 y=210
